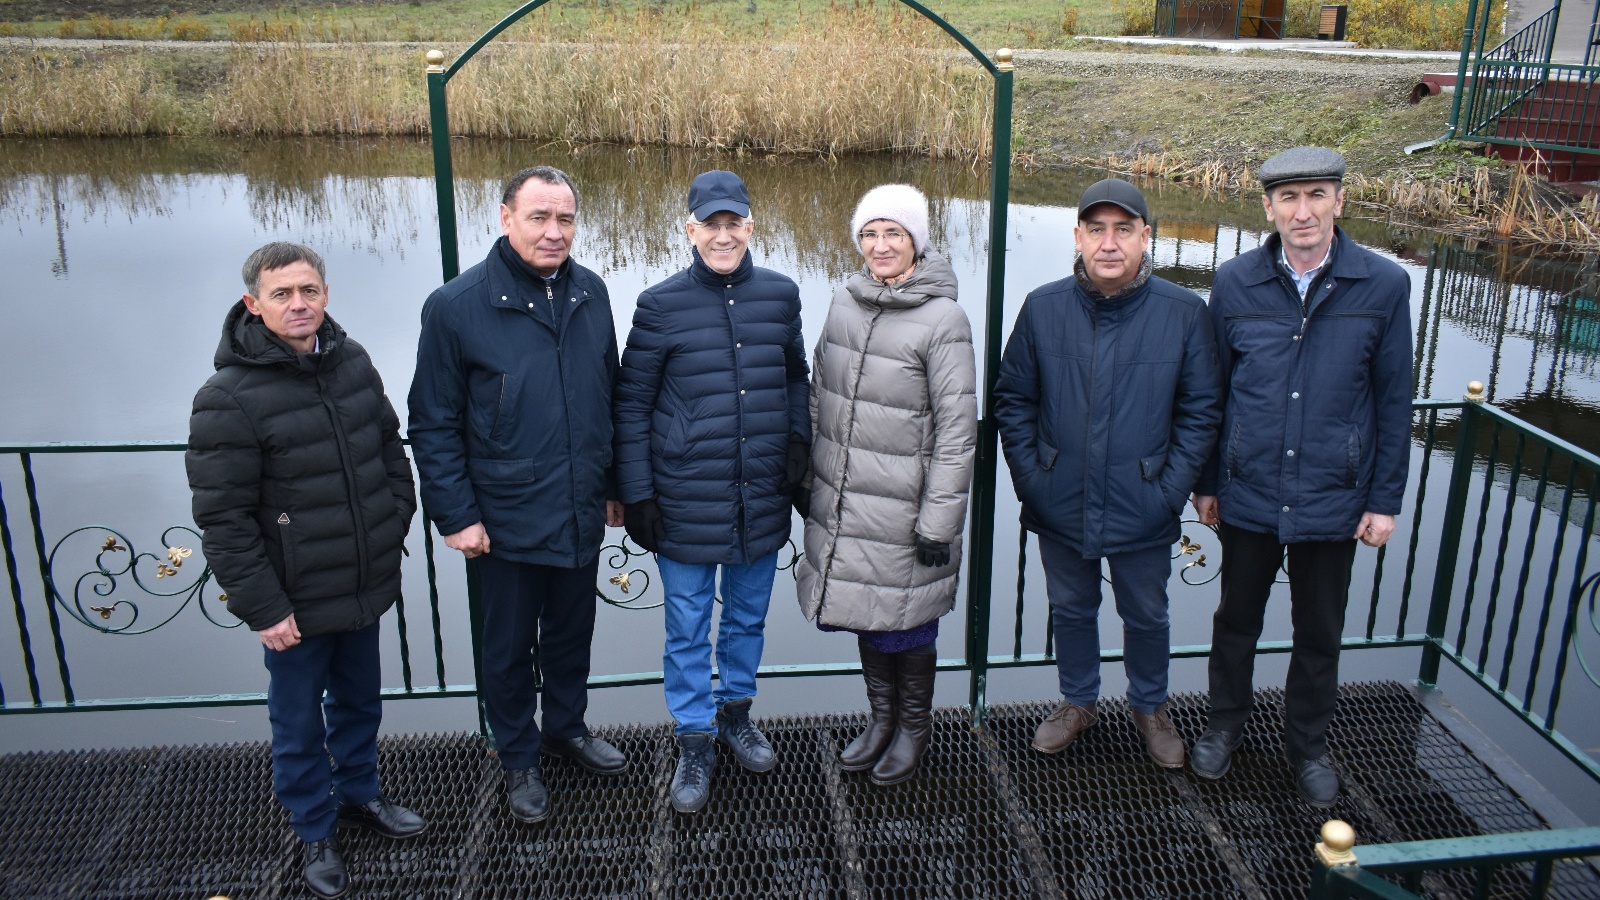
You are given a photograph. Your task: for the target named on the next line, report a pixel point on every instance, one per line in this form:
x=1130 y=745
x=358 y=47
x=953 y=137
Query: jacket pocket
x=286 y=546
x=1352 y=447
x=1233 y=450
x=1151 y=467
x=1047 y=455
x=502 y=471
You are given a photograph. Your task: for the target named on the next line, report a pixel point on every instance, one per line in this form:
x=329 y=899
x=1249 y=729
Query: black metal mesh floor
x=986 y=816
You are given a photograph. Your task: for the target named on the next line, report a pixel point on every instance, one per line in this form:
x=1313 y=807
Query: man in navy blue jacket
x=1314 y=335
x=713 y=436
x=510 y=430
x=1107 y=407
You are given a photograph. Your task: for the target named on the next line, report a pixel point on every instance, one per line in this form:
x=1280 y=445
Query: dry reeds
x=111 y=93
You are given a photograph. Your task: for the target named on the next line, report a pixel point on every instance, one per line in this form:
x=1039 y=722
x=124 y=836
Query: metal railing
x=1552 y=102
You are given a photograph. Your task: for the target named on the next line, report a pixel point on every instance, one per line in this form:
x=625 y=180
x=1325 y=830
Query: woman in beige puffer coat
x=894 y=427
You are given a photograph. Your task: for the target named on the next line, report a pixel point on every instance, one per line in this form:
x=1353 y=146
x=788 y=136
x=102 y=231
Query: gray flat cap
x=1302 y=164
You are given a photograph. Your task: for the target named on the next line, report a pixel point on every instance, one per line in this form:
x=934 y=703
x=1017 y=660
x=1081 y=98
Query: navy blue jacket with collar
x=1317 y=424
x=1107 y=409
x=714 y=381
x=510 y=410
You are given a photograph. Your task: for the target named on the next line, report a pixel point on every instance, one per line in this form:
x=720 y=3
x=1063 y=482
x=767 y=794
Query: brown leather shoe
x=1161 y=739
x=1057 y=732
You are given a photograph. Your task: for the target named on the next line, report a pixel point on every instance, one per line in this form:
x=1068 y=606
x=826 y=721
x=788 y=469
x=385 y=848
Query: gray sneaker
x=691 y=783
x=750 y=747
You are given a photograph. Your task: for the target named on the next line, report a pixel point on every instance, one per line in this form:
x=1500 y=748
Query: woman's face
x=887 y=247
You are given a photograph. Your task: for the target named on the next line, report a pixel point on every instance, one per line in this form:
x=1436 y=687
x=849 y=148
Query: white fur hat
x=900 y=203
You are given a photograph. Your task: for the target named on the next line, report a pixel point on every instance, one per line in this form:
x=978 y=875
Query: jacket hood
x=247 y=342
x=931 y=279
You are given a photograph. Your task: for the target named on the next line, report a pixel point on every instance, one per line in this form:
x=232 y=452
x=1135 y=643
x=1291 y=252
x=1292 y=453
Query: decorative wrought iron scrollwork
x=634 y=582
x=117 y=559
x=1198 y=569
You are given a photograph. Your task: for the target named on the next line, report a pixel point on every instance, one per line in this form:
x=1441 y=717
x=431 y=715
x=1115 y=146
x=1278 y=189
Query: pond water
x=119 y=260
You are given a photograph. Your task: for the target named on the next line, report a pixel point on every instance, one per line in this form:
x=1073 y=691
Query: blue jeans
x=323 y=702
x=1139 y=583
x=690 y=590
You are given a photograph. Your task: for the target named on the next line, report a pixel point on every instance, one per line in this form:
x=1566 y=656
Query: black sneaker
x=750 y=747
x=691 y=783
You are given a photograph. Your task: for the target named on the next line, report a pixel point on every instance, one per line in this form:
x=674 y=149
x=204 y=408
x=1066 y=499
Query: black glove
x=644 y=524
x=933 y=554
x=795 y=464
x=801 y=498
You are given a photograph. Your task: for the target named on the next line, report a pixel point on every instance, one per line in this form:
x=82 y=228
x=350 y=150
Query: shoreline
x=1128 y=111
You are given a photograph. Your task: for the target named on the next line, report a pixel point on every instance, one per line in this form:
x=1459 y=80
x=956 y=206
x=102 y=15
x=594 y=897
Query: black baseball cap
x=718 y=191
x=1116 y=192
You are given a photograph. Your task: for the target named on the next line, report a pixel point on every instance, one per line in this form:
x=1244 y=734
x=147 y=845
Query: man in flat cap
x=1314 y=337
x=1108 y=404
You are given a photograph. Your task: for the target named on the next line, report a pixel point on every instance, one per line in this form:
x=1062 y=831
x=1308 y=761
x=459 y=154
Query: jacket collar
x=518 y=290
x=1126 y=296
x=1349 y=261
x=247 y=342
x=702 y=273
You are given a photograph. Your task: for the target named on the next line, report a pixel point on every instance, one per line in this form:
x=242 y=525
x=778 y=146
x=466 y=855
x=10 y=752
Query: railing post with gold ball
x=1455 y=512
x=1334 y=851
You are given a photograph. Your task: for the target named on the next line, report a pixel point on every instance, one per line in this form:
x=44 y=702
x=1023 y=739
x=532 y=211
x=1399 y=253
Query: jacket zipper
x=355 y=494
x=849 y=437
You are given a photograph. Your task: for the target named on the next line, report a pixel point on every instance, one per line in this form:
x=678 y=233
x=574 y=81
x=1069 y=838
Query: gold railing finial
x=1475 y=392
x=1337 y=844
x=1002 y=58
x=435 y=61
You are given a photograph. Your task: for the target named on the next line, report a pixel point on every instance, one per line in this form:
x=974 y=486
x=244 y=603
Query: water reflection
x=121 y=257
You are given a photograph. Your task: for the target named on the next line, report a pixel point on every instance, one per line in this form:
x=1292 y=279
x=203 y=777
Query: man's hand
x=1375 y=529
x=614 y=513
x=281 y=636
x=1206 y=509
x=471 y=540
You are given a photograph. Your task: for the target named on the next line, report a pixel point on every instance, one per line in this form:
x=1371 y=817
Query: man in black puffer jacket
x=304 y=495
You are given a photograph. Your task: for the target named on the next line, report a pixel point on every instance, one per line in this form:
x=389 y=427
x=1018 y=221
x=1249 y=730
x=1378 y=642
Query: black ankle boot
x=914 y=672
x=878 y=670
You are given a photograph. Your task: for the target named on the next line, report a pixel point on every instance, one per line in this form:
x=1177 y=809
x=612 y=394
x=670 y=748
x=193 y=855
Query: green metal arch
x=521 y=11
x=980 y=559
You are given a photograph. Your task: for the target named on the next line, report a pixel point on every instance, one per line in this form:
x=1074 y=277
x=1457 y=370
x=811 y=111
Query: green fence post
x=444 y=180
x=980 y=561
x=1455 y=511
x=1467 y=30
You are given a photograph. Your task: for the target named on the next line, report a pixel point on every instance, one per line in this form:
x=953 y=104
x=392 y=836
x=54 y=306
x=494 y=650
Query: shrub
x=1069 y=20
x=188 y=28
x=1414 y=25
x=1138 y=16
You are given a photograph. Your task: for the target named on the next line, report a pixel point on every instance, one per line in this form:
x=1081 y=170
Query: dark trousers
x=1139 y=584
x=1319 y=585
x=527 y=605
x=323 y=703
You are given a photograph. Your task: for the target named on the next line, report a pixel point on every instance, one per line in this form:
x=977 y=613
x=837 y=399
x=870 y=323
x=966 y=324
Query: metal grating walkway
x=986 y=817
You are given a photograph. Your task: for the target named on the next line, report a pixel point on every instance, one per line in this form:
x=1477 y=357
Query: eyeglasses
x=726 y=227
x=892 y=236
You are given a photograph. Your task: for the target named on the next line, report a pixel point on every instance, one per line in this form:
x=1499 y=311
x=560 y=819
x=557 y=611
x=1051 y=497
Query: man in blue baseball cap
x=713 y=434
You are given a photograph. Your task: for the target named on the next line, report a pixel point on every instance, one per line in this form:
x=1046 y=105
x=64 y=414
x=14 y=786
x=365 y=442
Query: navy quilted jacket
x=1317 y=428
x=714 y=380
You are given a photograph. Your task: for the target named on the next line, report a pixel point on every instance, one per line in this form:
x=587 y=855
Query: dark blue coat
x=1317 y=427
x=1107 y=410
x=714 y=381
x=510 y=405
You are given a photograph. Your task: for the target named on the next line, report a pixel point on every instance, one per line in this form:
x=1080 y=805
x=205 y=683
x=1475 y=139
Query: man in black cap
x=713 y=430
x=1314 y=335
x=1108 y=406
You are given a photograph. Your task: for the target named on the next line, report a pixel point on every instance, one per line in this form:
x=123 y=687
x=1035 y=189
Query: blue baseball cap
x=718 y=191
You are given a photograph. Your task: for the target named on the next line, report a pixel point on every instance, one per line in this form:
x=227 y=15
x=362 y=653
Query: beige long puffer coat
x=894 y=428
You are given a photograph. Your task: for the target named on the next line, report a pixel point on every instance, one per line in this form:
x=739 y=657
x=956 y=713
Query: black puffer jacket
x=301 y=487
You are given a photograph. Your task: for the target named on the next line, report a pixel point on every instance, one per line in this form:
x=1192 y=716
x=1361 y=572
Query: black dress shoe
x=1317 y=783
x=324 y=868
x=526 y=794
x=1212 y=755
x=384 y=817
x=590 y=752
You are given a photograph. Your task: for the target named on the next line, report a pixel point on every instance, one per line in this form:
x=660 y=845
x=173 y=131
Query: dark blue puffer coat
x=713 y=383
x=1317 y=428
x=1107 y=410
